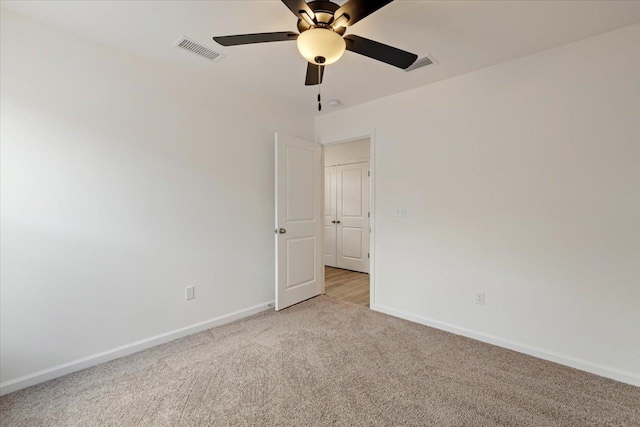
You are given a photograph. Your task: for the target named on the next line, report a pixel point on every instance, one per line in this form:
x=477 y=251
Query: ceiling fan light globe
x=316 y=44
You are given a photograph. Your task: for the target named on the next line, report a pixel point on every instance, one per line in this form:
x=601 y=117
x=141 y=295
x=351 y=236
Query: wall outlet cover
x=401 y=212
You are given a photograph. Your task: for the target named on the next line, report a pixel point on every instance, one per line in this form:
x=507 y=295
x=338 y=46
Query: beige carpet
x=325 y=362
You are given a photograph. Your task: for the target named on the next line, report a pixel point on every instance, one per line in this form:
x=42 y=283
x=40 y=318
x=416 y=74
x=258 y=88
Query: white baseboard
x=583 y=365
x=114 y=353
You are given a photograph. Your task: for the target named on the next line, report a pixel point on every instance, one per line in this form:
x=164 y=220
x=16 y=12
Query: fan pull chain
x=319 y=86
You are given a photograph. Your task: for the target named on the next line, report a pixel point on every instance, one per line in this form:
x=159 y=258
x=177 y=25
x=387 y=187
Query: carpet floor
x=325 y=362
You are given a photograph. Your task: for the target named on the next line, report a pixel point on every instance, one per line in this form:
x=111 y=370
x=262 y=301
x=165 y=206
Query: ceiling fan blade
x=256 y=38
x=299 y=6
x=391 y=55
x=358 y=9
x=312 y=74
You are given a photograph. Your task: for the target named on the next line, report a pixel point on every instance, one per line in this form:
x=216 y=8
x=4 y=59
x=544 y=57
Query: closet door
x=330 y=200
x=353 y=217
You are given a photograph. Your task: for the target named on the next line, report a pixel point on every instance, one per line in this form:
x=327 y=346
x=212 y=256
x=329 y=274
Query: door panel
x=330 y=193
x=330 y=245
x=298 y=220
x=301 y=261
x=330 y=216
x=352 y=243
x=353 y=217
x=352 y=198
x=300 y=179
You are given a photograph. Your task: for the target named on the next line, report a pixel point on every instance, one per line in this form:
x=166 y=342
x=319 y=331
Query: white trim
x=347 y=162
x=372 y=221
x=345 y=140
x=115 y=353
x=322 y=275
x=583 y=365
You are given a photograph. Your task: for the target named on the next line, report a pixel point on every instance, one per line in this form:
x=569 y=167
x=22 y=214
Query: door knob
x=333 y=222
x=337 y=222
x=282 y=231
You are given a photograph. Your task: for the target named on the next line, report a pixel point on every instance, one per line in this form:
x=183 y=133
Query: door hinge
x=368 y=173
x=367 y=255
x=368 y=214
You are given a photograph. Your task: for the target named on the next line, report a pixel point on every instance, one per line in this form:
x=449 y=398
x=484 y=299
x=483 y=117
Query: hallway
x=347 y=285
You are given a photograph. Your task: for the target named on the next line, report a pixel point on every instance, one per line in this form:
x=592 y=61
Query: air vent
x=421 y=62
x=199 y=49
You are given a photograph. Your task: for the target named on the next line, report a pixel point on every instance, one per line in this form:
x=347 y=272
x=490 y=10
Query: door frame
x=372 y=205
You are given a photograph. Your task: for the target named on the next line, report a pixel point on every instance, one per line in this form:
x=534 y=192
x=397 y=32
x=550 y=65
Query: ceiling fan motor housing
x=323 y=11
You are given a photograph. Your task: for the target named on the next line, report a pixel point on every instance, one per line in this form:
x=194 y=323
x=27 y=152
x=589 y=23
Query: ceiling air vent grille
x=199 y=49
x=421 y=62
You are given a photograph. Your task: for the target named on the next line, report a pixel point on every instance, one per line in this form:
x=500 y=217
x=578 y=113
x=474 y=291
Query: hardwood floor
x=347 y=285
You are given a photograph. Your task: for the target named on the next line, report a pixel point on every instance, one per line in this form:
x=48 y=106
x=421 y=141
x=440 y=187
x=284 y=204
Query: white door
x=353 y=217
x=298 y=220
x=330 y=200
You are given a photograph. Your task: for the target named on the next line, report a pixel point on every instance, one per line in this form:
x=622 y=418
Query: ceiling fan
x=321 y=41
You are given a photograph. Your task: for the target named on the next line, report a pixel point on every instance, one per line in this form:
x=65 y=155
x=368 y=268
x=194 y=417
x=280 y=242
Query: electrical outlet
x=189 y=292
x=480 y=298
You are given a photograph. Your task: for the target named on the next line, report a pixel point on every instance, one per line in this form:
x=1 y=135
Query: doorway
x=347 y=220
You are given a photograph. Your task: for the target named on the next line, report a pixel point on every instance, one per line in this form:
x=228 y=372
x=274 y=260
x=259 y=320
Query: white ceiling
x=461 y=35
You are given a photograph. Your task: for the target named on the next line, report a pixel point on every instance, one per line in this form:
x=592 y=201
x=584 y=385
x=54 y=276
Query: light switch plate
x=401 y=212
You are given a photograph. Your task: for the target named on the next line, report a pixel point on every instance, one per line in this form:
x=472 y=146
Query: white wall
x=123 y=181
x=523 y=181
x=348 y=152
